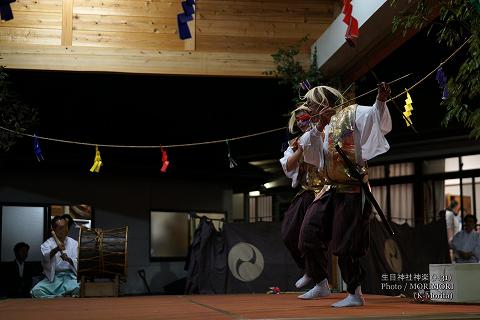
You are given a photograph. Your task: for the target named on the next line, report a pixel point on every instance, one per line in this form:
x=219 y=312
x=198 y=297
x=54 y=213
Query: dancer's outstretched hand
x=383 y=91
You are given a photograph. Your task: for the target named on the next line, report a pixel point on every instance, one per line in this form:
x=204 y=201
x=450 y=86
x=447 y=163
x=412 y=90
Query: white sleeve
x=292 y=174
x=372 y=124
x=384 y=115
x=312 y=145
x=47 y=263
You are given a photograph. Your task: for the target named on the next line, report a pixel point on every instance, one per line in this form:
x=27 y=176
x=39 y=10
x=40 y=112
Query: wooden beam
x=36 y=6
x=98 y=59
x=28 y=36
x=133 y=8
x=134 y=40
x=101 y=23
x=67 y=23
x=34 y=20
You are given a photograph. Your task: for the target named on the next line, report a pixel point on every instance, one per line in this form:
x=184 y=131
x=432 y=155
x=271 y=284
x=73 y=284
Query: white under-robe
x=292 y=174
x=56 y=264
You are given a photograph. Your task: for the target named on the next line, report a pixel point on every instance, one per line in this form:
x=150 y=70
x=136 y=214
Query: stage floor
x=234 y=306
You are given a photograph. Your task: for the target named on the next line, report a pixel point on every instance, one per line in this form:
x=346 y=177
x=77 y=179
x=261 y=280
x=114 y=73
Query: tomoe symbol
x=245 y=262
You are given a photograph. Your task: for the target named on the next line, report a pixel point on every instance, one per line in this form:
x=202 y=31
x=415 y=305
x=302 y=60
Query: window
x=22 y=224
x=471 y=162
x=401 y=169
x=401 y=203
x=376 y=172
x=451 y=164
x=260 y=209
x=169 y=237
x=442 y=180
x=171 y=232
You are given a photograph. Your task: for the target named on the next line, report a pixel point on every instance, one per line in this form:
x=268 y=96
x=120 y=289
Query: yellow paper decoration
x=408 y=109
x=97 y=162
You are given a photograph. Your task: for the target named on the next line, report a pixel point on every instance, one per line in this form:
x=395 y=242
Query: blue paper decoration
x=5 y=10
x=183 y=30
x=183 y=18
x=188 y=7
x=442 y=82
x=36 y=148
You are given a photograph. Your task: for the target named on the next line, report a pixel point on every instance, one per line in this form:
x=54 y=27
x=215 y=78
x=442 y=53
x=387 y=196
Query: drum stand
x=104 y=288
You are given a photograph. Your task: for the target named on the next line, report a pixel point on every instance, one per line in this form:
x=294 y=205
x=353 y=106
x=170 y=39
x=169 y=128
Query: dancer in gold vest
x=342 y=211
x=315 y=234
x=309 y=180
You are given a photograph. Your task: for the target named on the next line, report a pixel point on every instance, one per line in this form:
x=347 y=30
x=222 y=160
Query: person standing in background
x=453 y=220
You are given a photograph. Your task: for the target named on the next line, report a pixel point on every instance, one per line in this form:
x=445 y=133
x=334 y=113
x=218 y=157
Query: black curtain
x=206 y=261
x=258 y=258
x=251 y=258
x=243 y=258
x=396 y=267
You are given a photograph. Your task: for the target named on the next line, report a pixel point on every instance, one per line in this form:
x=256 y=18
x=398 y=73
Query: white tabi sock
x=321 y=289
x=352 y=300
x=303 y=281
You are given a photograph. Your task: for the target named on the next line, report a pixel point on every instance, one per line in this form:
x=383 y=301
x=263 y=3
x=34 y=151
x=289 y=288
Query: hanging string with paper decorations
x=98 y=163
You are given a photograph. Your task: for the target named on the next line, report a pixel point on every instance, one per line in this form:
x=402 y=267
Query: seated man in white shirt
x=466 y=243
x=59 y=263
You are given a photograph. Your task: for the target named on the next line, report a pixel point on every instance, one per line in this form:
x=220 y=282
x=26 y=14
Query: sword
x=357 y=174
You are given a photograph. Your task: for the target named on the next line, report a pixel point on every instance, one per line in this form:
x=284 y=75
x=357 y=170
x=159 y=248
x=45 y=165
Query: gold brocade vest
x=342 y=132
x=309 y=177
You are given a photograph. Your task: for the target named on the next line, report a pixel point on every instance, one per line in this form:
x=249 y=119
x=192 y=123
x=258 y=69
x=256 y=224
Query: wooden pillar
x=190 y=43
x=67 y=23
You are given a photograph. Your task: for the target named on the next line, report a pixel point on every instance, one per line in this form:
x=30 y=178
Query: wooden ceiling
x=230 y=37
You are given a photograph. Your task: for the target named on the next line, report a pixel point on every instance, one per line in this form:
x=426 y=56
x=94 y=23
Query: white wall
x=237 y=207
x=334 y=37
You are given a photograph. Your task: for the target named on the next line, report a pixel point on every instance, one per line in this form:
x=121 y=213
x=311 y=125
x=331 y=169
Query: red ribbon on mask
x=304 y=117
